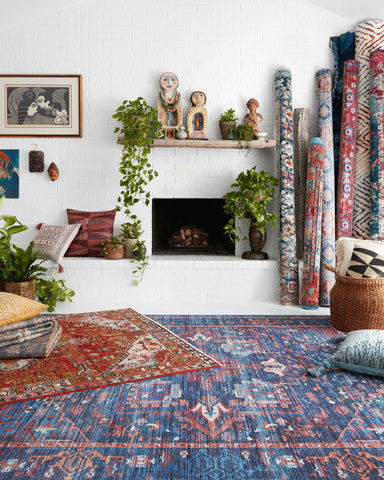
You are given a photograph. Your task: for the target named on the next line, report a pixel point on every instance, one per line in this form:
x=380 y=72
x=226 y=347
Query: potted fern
x=248 y=200
x=139 y=126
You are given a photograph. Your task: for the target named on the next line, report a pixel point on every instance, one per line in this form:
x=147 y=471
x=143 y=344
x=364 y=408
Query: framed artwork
x=9 y=173
x=40 y=106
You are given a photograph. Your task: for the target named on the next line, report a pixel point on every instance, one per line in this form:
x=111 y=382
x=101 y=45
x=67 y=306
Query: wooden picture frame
x=40 y=106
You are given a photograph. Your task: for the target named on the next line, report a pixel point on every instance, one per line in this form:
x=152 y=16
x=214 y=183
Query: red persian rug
x=99 y=349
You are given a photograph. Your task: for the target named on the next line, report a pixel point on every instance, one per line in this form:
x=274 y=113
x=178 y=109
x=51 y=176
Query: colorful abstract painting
x=9 y=173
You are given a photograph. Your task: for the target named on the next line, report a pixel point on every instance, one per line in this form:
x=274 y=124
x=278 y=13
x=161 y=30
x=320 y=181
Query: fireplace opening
x=195 y=226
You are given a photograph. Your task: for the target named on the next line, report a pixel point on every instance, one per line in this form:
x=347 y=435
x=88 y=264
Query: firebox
x=190 y=226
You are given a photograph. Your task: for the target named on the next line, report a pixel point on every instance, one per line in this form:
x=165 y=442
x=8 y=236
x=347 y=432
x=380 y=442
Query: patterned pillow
x=362 y=351
x=14 y=308
x=95 y=227
x=53 y=241
x=365 y=264
x=345 y=246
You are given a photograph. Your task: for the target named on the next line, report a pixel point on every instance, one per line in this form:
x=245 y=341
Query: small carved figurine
x=53 y=172
x=197 y=118
x=170 y=113
x=253 y=117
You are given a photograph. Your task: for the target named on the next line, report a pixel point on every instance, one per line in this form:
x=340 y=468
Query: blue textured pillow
x=362 y=351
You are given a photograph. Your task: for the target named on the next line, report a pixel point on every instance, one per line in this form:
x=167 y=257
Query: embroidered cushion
x=53 y=241
x=344 y=249
x=14 y=308
x=95 y=227
x=362 y=351
x=365 y=264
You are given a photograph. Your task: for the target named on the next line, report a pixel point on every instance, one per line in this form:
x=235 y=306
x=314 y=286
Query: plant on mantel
x=139 y=128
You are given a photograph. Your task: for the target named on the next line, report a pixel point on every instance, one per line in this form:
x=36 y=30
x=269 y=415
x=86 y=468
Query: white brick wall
x=230 y=50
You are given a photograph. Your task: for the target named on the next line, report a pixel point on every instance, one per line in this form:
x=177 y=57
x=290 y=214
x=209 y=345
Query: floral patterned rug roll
x=328 y=255
x=376 y=65
x=288 y=269
x=301 y=139
x=369 y=37
x=312 y=231
x=344 y=218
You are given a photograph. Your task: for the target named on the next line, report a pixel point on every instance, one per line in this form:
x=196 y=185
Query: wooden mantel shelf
x=214 y=143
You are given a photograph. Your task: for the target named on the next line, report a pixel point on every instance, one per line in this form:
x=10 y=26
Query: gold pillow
x=14 y=308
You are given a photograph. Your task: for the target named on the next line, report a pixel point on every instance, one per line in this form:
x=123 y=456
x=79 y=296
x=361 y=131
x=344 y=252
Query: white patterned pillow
x=365 y=264
x=53 y=241
x=344 y=249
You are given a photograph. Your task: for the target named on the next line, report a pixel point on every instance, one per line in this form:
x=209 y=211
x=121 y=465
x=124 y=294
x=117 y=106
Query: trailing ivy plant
x=139 y=126
x=51 y=290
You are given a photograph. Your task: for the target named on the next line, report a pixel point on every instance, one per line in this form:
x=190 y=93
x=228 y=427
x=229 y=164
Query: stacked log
x=189 y=235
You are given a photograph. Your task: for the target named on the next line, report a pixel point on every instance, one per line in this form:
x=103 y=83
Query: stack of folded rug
x=23 y=334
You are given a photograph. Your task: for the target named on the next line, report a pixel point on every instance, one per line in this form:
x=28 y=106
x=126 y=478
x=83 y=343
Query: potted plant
x=113 y=248
x=131 y=232
x=50 y=291
x=140 y=256
x=19 y=269
x=248 y=200
x=243 y=132
x=139 y=127
x=227 y=122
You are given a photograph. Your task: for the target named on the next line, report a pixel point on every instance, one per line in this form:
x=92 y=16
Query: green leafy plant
x=243 y=132
x=51 y=290
x=248 y=200
x=139 y=127
x=114 y=241
x=131 y=229
x=140 y=256
x=19 y=265
x=229 y=116
x=10 y=226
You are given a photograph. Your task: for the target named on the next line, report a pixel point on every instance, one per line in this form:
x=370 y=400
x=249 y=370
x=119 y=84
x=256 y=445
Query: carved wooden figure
x=197 y=118
x=170 y=113
x=53 y=172
x=253 y=117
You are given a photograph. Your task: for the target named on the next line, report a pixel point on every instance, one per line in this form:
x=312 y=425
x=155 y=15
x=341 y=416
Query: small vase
x=129 y=243
x=257 y=241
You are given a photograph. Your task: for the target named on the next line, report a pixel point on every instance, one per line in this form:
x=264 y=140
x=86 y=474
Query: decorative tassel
x=38 y=226
x=61 y=269
x=316 y=371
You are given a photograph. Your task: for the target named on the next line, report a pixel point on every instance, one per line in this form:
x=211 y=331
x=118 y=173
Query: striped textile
x=325 y=128
x=376 y=65
x=344 y=216
x=301 y=138
x=288 y=268
x=369 y=37
x=312 y=231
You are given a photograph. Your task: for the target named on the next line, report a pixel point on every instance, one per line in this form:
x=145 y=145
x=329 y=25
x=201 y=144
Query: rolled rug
x=288 y=264
x=344 y=217
x=38 y=347
x=312 y=231
x=376 y=65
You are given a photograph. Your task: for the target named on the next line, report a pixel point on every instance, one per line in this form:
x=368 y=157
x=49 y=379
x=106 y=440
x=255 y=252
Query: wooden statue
x=170 y=113
x=197 y=118
x=253 y=117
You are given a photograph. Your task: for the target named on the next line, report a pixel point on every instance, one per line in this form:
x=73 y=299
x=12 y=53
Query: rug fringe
x=316 y=371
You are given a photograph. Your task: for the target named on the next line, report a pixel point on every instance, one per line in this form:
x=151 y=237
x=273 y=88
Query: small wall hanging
x=36 y=161
x=53 y=172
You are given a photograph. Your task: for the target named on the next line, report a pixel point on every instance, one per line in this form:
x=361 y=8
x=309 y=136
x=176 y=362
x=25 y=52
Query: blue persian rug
x=258 y=417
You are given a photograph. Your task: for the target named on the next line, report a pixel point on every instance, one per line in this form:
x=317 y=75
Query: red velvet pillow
x=95 y=227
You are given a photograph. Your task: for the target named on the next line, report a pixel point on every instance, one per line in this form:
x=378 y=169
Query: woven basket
x=24 y=289
x=357 y=303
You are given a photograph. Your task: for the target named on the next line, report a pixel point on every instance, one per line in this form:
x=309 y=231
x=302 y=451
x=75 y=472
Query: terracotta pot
x=225 y=128
x=257 y=241
x=129 y=243
x=114 y=252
